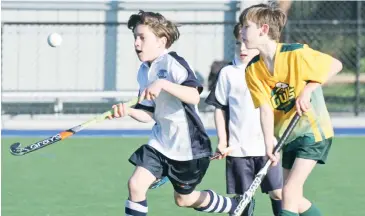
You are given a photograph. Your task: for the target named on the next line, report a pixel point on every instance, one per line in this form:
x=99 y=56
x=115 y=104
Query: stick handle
x=101 y=117
x=247 y=196
x=286 y=133
x=16 y=148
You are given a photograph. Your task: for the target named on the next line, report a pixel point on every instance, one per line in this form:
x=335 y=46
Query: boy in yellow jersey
x=284 y=79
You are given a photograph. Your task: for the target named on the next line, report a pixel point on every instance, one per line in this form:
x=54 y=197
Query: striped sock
x=219 y=204
x=136 y=208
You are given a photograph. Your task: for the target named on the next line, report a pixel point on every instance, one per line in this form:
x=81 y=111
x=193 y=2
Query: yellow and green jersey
x=294 y=66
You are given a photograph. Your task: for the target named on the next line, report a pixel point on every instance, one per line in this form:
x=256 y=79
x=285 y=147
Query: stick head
x=159 y=182
x=15 y=149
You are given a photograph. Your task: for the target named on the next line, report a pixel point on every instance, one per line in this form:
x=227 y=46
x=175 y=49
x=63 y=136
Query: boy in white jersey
x=238 y=126
x=179 y=146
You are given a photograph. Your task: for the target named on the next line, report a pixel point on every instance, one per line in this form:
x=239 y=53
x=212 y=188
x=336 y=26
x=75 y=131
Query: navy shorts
x=241 y=171
x=184 y=175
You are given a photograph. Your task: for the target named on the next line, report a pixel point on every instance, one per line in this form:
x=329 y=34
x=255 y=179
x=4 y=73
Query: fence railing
x=98 y=57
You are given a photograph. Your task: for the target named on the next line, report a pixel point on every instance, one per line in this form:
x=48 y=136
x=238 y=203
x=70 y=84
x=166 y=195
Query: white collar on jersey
x=237 y=62
x=157 y=59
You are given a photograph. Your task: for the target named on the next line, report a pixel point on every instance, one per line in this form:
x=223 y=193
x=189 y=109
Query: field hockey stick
x=247 y=196
x=217 y=154
x=17 y=150
x=159 y=182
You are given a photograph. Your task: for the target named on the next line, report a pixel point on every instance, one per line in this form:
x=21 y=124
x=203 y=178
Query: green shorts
x=305 y=147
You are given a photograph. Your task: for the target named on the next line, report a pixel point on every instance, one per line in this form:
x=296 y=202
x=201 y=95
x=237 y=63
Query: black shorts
x=184 y=175
x=241 y=171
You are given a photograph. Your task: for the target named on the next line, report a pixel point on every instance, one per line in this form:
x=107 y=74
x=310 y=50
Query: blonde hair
x=265 y=14
x=159 y=25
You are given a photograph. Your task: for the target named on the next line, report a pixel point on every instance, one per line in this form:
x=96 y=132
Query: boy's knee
x=134 y=186
x=181 y=200
x=276 y=194
x=292 y=190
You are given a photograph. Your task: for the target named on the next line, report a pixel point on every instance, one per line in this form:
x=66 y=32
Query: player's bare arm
x=267 y=125
x=303 y=101
x=220 y=124
x=122 y=110
x=186 y=94
x=140 y=115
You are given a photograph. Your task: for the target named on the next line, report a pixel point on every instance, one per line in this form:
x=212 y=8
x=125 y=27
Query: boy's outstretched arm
x=267 y=125
x=141 y=115
x=186 y=94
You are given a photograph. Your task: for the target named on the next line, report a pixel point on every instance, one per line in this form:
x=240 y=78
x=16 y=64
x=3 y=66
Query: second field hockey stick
x=247 y=196
x=17 y=150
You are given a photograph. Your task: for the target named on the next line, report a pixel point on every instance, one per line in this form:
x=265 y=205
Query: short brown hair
x=265 y=14
x=160 y=26
x=237 y=31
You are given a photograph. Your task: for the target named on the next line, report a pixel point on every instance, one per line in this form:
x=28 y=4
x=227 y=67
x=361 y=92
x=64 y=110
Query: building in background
x=96 y=64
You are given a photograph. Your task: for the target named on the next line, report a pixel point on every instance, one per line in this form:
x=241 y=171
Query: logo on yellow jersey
x=283 y=97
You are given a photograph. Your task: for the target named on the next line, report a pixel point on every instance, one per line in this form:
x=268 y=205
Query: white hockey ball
x=54 y=40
